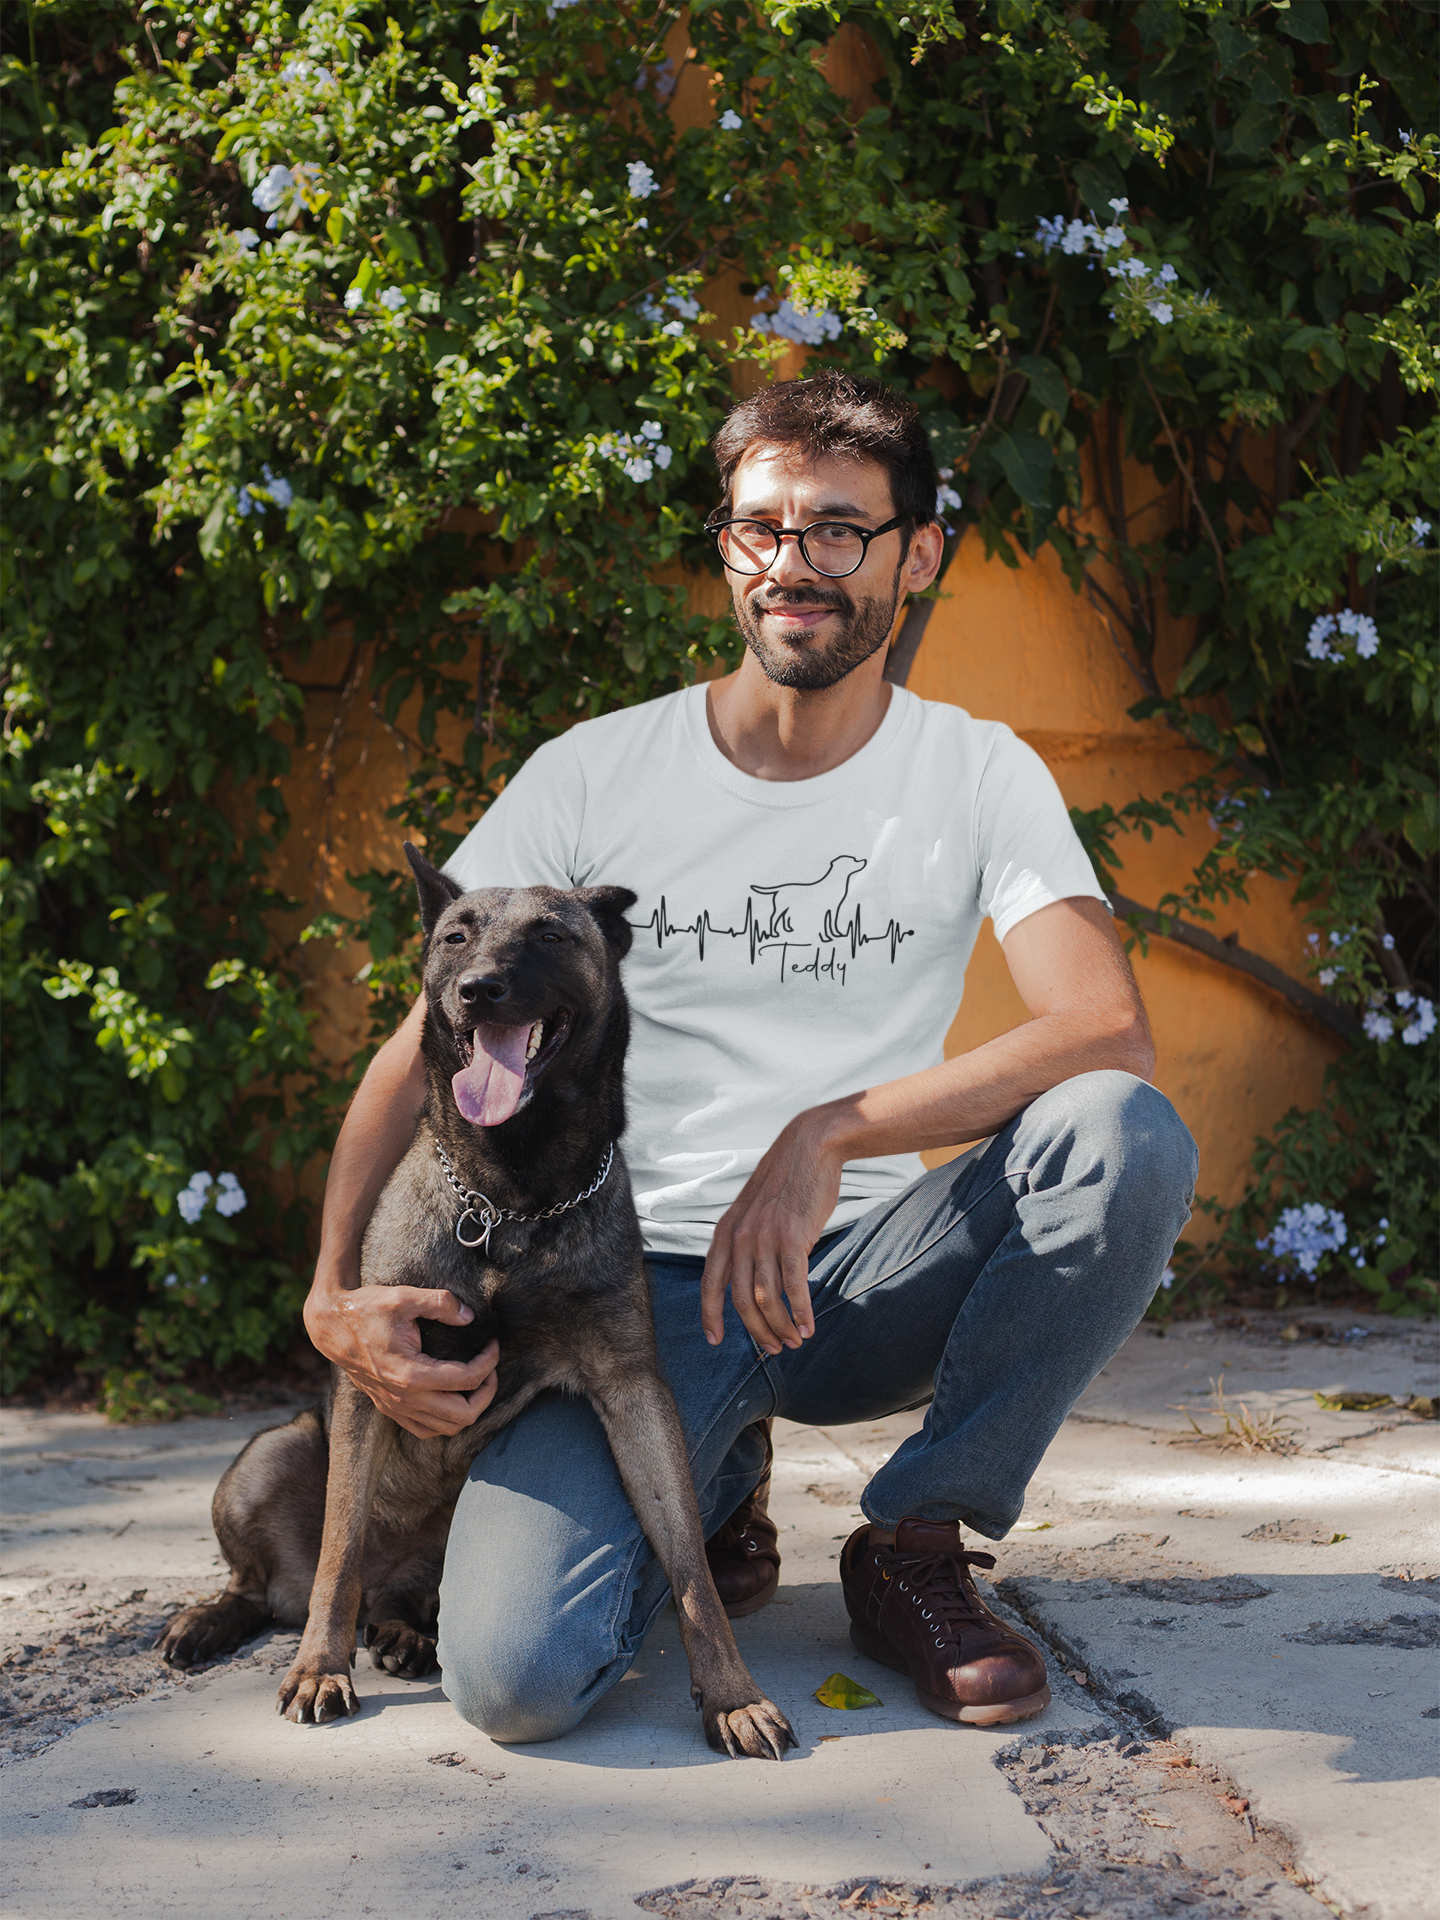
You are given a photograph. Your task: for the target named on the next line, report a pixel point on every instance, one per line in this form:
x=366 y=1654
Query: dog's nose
x=476 y=987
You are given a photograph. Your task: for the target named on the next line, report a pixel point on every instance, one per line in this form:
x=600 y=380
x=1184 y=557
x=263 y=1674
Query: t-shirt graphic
x=802 y=923
x=795 y=940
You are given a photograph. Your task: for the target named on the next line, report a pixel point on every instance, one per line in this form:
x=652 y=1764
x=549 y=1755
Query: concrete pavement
x=1182 y=1581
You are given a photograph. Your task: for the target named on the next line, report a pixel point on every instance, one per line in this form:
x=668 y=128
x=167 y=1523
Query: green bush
x=284 y=286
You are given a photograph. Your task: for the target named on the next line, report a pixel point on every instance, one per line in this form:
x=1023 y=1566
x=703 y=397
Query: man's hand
x=761 y=1248
x=370 y=1333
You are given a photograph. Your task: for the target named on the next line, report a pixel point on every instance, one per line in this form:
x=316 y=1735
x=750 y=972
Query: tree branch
x=1230 y=953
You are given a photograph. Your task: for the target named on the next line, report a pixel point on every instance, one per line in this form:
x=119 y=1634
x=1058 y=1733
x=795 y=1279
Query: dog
x=513 y=1195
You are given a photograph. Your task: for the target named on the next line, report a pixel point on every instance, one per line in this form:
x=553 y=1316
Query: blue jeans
x=995 y=1288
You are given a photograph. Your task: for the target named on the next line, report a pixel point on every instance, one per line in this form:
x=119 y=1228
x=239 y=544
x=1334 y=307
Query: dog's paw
x=315 y=1697
x=758 y=1730
x=199 y=1634
x=397 y=1648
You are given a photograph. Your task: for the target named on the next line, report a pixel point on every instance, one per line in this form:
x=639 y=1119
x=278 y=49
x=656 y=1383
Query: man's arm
x=1086 y=1014
x=370 y=1332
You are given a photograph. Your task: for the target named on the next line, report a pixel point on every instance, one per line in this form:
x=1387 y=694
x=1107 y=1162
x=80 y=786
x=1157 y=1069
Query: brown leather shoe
x=743 y=1555
x=914 y=1607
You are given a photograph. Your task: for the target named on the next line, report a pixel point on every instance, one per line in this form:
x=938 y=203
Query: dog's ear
x=608 y=907
x=436 y=889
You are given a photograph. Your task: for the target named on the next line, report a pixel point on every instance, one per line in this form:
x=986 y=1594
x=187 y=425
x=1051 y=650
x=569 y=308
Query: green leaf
x=1046 y=382
x=335 y=225
x=1100 y=181
x=1304 y=20
x=846 y=1694
x=1027 y=463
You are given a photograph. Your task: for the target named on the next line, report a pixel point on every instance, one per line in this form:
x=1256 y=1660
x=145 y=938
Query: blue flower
x=1377 y=1027
x=392 y=298
x=1162 y=310
x=1420 y=528
x=731 y=121
x=280 y=491
x=248 y=238
x=191 y=1198
x=1119 y=206
x=231 y=1196
x=641 y=180
x=1305 y=1235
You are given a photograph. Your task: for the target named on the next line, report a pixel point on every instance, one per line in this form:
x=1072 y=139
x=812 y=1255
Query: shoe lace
x=941 y=1585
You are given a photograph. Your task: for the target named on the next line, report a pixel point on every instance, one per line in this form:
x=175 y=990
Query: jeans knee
x=515 y=1700
x=1141 y=1134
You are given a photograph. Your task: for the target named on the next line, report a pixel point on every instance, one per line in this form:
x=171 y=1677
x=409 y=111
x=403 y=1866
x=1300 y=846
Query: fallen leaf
x=1424 y=1406
x=1235 y=1803
x=1153 y=1819
x=1352 y=1402
x=1080 y=1677
x=842 y=1692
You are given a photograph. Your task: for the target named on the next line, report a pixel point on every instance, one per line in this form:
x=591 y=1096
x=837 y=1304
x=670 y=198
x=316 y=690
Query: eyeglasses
x=831 y=547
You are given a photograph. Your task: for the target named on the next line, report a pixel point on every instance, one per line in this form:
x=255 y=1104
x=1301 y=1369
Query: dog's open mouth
x=502 y=1065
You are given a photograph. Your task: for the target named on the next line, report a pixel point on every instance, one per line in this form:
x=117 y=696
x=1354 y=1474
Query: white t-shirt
x=794 y=940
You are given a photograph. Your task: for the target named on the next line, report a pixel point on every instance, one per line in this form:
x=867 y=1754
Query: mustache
x=806 y=597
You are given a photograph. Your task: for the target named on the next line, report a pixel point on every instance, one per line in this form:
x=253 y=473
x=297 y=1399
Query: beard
x=810 y=665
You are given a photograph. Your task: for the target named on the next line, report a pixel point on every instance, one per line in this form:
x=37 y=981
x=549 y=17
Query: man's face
x=805 y=630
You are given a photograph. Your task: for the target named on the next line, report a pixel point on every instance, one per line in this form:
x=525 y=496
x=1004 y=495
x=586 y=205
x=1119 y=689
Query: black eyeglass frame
x=867 y=534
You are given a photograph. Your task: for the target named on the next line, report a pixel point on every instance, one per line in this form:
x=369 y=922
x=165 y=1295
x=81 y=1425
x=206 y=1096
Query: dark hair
x=835 y=415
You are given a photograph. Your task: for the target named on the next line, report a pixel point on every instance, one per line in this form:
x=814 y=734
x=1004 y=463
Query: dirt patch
x=1137 y=1832
x=70 y=1649
x=1405 y=1630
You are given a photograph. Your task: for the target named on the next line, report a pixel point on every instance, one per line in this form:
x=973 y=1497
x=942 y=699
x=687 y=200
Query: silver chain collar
x=487 y=1216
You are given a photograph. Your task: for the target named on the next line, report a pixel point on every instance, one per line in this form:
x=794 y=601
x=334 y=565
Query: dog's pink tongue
x=488 y=1091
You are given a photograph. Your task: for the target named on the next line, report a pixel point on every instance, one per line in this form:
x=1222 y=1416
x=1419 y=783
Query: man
x=813 y=852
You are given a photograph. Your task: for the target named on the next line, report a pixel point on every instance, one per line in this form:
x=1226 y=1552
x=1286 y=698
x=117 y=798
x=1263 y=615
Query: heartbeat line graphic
x=796 y=917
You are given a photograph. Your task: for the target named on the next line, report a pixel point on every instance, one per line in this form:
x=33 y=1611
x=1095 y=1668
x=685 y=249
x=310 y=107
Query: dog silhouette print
x=808 y=911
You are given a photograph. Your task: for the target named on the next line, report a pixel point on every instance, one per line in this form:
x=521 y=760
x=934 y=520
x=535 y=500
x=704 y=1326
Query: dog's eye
x=454 y=939
x=552 y=936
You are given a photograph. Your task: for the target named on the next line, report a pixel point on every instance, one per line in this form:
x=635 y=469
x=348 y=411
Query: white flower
x=663 y=456
x=171 y=1280
x=731 y=121
x=1387 y=941
x=687 y=308
x=392 y=298
x=1328 y=976
x=231 y=1197
x=1377 y=1027
x=1420 y=528
x=1167 y=275
x=1421 y=1027
x=191 y=1198
x=651 y=430
x=1167 y=1279
x=1360 y=628
x=641 y=180
x=353 y=298
x=1048 y=232
x=675 y=328
x=1318 y=644
x=273 y=188
x=250 y=239
x=1119 y=206
x=639 y=468
x=1076 y=237
x=304 y=70
x=643 y=223
x=1305 y=1235
x=947 y=499
x=559 y=6
x=1131 y=269
x=1162 y=310
x=1114 y=236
